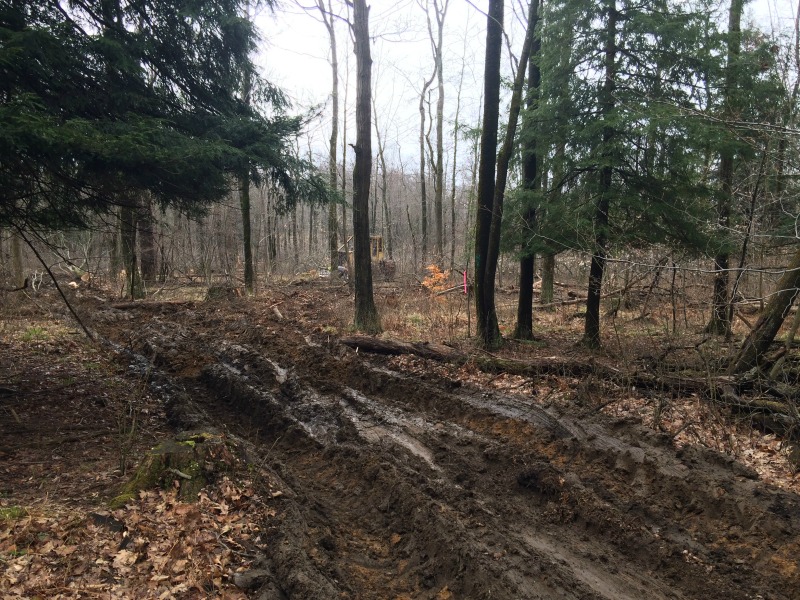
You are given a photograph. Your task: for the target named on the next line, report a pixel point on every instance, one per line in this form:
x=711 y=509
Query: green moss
x=11 y=513
x=34 y=333
x=171 y=460
x=121 y=500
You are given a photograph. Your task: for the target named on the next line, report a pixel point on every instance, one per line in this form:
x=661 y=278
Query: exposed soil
x=368 y=476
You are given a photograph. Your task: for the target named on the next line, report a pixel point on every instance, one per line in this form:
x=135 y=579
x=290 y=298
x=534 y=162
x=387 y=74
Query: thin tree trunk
x=413 y=236
x=333 y=225
x=244 y=200
x=548 y=278
x=455 y=165
x=422 y=178
x=16 y=260
x=127 y=222
x=720 y=323
x=591 y=332
x=345 y=242
x=147 y=240
x=438 y=176
x=387 y=224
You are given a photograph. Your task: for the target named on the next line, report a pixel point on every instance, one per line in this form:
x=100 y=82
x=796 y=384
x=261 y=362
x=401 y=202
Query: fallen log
x=537 y=367
x=429 y=350
x=778 y=415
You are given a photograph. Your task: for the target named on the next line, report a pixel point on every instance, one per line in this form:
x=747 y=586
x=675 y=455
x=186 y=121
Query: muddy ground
x=400 y=478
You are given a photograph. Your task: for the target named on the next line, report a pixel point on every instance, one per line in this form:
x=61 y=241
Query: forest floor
x=355 y=475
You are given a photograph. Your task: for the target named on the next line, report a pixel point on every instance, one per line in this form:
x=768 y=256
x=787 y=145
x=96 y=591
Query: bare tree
x=366 y=314
x=422 y=156
x=436 y=38
x=333 y=243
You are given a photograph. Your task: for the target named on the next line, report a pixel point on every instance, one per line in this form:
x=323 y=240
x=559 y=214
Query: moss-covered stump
x=192 y=459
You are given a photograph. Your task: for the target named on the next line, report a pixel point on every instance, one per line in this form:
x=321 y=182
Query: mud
x=401 y=486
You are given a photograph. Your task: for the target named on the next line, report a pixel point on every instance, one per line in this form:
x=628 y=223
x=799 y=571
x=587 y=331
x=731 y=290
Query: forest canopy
x=101 y=100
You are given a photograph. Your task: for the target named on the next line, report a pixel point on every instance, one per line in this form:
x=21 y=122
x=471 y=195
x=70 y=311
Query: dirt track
x=409 y=486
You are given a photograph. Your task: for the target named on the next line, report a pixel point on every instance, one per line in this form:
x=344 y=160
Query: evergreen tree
x=615 y=127
x=104 y=98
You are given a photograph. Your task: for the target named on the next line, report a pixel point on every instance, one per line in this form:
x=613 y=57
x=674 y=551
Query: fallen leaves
x=165 y=548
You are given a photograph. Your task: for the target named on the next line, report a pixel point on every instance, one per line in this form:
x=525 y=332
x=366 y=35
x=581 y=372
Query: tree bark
x=333 y=224
x=530 y=167
x=244 y=201
x=422 y=178
x=591 y=332
x=487 y=328
x=720 y=322
x=16 y=260
x=492 y=333
x=128 y=217
x=366 y=314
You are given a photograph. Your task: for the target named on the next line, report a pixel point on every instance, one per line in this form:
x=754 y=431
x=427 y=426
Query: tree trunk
x=345 y=242
x=17 y=272
x=591 y=332
x=333 y=224
x=524 y=328
x=455 y=169
x=422 y=180
x=366 y=314
x=487 y=327
x=128 y=216
x=147 y=240
x=548 y=278
x=438 y=183
x=767 y=326
x=720 y=322
x=244 y=200
x=492 y=337
x=387 y=223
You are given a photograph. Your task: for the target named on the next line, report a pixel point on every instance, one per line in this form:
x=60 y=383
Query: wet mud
x=400 y=486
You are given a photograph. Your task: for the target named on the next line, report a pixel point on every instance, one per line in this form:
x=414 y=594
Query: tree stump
x=192 y=459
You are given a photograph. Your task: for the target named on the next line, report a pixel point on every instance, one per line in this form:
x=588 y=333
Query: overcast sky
x=296 y=49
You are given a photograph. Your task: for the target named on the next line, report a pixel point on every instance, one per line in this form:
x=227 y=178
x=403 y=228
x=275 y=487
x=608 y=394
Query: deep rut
x=404 y=488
